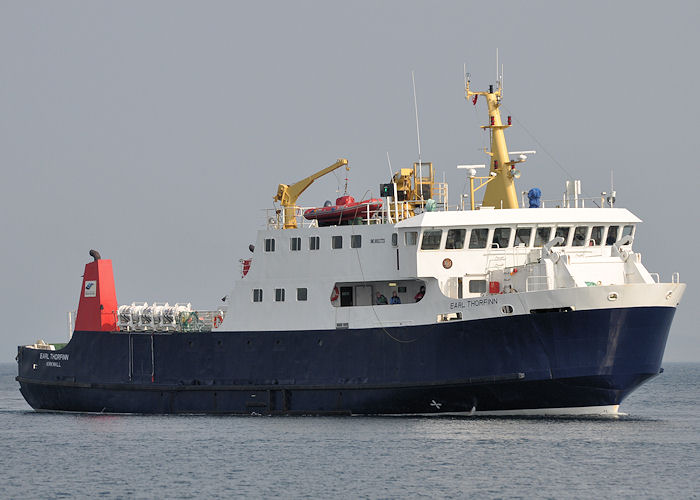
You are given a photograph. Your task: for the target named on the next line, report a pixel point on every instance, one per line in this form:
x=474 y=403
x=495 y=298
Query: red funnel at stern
x=97 y=310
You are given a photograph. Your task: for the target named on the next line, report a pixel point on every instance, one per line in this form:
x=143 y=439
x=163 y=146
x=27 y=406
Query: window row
x=280 y=293
x=505 y=237
x=314 y=243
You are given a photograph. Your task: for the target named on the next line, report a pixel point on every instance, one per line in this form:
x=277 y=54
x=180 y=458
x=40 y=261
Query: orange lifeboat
x=344 y=210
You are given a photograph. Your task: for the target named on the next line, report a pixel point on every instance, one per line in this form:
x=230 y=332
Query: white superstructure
x=473 y=264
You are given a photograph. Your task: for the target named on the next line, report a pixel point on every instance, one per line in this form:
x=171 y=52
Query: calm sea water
x=654 y=452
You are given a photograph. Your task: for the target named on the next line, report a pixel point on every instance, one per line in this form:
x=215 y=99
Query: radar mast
x=500 y=191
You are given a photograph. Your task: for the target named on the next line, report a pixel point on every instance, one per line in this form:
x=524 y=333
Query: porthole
x=507 y=309
x=612 y=296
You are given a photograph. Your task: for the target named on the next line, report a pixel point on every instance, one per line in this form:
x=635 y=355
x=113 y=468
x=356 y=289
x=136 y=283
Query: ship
x=409 y=307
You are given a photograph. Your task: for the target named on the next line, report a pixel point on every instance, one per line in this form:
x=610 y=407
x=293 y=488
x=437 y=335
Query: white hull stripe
x=608 y=410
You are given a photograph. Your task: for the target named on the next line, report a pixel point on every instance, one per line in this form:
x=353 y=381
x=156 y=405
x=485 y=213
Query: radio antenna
x=420 y=161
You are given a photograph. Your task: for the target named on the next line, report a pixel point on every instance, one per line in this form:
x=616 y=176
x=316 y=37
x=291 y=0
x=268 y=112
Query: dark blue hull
x=536 y=361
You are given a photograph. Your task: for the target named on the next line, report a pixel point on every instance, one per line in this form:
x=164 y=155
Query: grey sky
x=156 y=131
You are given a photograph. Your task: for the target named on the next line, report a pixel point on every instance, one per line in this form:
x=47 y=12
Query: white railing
x=676 y=277
x=655 y=277
x=199 y=321
x=597 y=201
x=274 y=218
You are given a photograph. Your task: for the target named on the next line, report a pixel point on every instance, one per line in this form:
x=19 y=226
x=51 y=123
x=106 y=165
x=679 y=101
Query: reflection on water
x=385 y=457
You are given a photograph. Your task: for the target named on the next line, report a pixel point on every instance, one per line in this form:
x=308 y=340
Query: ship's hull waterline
x=573 y=362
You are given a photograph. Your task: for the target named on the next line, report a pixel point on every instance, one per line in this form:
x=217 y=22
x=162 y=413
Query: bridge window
x=269 y=244
x=431 y=239
x=336 y=242
x=522 y=236
x=257 y=295
x=542 y=236
x=455 y=239
x=302 y=294
x=279 y=294
x=501 y=237
x=612 y=235
x=411 y=238
x=314 y=242
x=580 y=234
x=295 y=244
x=355 y=240
x=628 y=231
x=597 y=235
x=478 y=238
x=564 y=233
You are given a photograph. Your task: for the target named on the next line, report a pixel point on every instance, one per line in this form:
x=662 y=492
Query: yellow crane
x=288 y=195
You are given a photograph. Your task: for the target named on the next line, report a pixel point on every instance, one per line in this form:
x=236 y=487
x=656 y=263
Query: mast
x=500 y=191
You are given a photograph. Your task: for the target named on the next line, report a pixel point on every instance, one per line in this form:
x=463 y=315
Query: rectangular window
x=314 y=242
x=269 y=244
x=501 y=237
x=431 y=239
x=336 y=242
x=477 y=286
x=612 y=235
x=580 y=234
x=355 y=241
x=597 y=235
x=301 y=294
x=478 y=238
x=394 y=239
x=542 y=236
x=628 y=231
x=455 y=239
x=564 y=233
x=279 y=294
x=295 y=244
x=257 y=295
x=411 y=238
x=522 y=236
